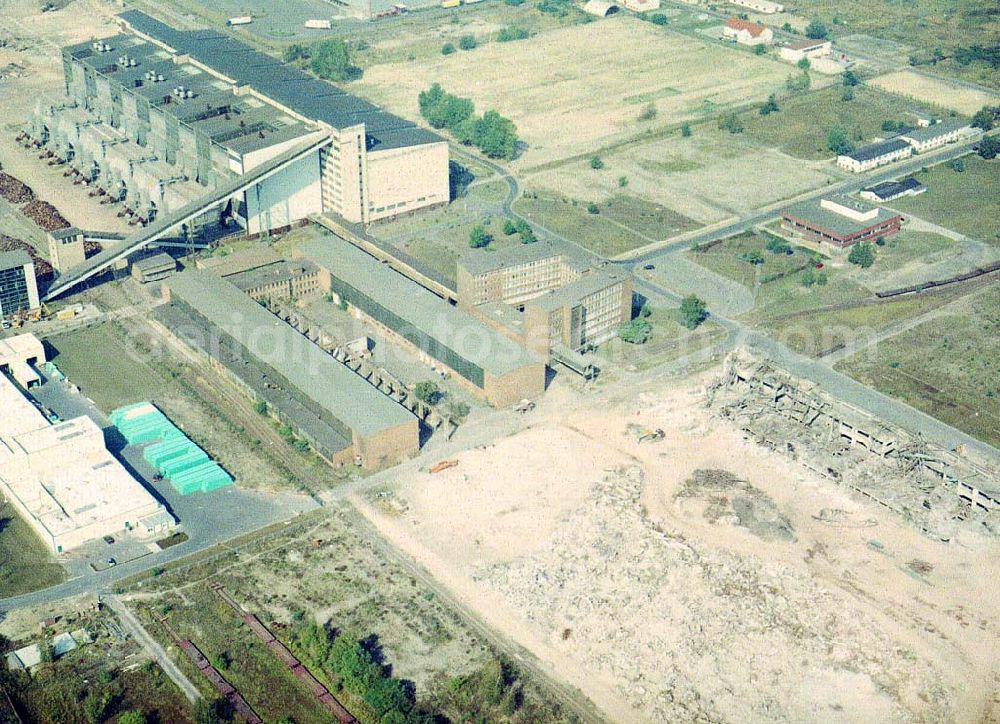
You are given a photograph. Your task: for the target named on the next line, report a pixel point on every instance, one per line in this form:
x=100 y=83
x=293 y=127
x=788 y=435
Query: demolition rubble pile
x=937 y=490
x=15 y=191
x=677 y=625
x=45 y=215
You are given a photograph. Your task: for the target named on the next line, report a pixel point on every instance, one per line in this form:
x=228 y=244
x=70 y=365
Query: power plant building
x=341 y=415
x=18 y=285
x=160 y=119
x=490 y=364
x=60 y=476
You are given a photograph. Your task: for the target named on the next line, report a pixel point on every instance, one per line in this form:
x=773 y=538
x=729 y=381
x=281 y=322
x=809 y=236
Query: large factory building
x=160 y=119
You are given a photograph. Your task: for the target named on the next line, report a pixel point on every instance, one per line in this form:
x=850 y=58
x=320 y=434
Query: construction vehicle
x=651 y=435
x=441 y=466
x=524 y=406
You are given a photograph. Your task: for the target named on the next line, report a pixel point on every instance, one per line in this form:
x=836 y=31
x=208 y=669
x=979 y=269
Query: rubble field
x=699 y=575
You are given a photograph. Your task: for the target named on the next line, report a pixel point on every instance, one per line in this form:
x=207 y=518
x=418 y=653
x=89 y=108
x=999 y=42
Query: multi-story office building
x=18 y=287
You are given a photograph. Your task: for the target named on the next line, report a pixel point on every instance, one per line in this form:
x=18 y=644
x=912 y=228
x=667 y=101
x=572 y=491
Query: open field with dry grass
x=935 y=91
x=604 y=558
x=946 y=366
x=573 y=89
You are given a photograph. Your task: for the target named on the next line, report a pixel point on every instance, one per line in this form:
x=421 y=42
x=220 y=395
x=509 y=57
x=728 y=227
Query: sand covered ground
x=701 y=576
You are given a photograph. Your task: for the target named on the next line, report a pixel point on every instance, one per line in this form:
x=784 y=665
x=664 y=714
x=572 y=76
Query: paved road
x=130 y=622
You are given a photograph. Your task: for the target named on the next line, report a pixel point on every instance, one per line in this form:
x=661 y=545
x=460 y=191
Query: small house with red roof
x=746 y=32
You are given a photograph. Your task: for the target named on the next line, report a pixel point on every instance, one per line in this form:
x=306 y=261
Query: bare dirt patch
x=660 y=614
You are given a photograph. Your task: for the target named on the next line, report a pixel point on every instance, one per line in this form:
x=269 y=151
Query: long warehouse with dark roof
x=332 y=406
x=159 y=117
x=492 y=365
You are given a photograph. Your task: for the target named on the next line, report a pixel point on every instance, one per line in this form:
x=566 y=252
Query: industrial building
x=18 y=286
x=761 y=6
x=338 y=412
x=544 y=296
x=186 y=128
x=490 y=365
x=874 y=155
x=840 y=221
x=66 y=248
x=263 y=274
x=60 y=476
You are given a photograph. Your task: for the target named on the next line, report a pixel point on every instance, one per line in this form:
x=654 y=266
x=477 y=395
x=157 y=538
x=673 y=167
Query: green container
x=185 y=462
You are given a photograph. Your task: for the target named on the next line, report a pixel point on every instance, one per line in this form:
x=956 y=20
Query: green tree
x=447 y=49
x=511 y=33
x=260 y=407
x=787 y=27
x=804 y=64
x=427 y=392
x=754 y=257
x=636 y=331
x=509 y=227
x=759 y=49
x=95 y=705
x=686 y=129
x=478 y=238
x=692 y=311
x=596 y=163
x=850 y=78
x=957 y=164
x=645 y=311
x=496 y=136
x=467 y=42
x=331 y=60
x=294 y=52
x=989 y=147
x=135 y=716
x=838 y=142
x=799 y=82
x=862 y=254
x=465 y=132
x=430 y=99
x=649 y=112
x=658 y=19
x=622 y=181
x=770 y=106
x=732 y=123
x=816 y=30
x=984 y=118
x=808 y=277
x=888 y=125
x=777 y=246
x=593 y=208
x=848 y=94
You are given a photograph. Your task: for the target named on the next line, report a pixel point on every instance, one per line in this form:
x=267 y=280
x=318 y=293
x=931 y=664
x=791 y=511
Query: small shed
x=600 y=8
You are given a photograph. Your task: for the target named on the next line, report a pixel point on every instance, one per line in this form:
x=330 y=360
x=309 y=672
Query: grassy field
x=25 y=563
x=922 y=24
x=114 y=366
x=572 y=89
x=800 y=127
x=937 y=91
x=668 y=341
x=965 y=202
x=946 y=367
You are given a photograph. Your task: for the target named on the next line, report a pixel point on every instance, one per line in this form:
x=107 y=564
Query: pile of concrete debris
x=938 y=490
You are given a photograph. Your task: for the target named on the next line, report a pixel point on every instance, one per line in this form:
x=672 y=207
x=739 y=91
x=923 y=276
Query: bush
x=799 y=82
x=731 y=123
x=808 y=277
x=837 y=141
x=648 y=112
x=512 y=32
x=658 y=19
x=513 y=3
x=593 y=208
x=294 y=52
x=622 y=181
x=754 y=257
x=778 y=246
x=816 y=30
x=850 y=78
x=260 y=407
x=692 y=311
x=332 y=61
x=467 y=42
x=635 y=332
x=957 y=164
x=804 y=63
x=596 y=163
x=509 y=227
x=847 y=95
x=759 y=49
x=989 y=147
x=770 y=106
x=862 y=254
x=984 y=118
x=686 y=129
x=478 y=238
x=447 y=49
x=427 y=392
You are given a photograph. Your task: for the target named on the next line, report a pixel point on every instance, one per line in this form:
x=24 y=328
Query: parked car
x=112 y=563
x=649 y=267
x=109 y=539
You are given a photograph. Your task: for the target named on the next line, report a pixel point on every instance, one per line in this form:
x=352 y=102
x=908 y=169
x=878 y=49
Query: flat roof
x=934 y=130
x=19 y=415
x=483 y=261
x=240 y=261
x=891 y=188
x=11 y=259
x=313 y=372
x=875 y=150
x=279 y=271
x=806 y=44
x=569 y=294
x=418 y=308
x=311 y=97
x=811 y=212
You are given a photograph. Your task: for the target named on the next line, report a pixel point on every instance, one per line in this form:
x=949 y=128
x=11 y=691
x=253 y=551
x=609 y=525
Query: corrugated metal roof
x=313 y=372
x=874 y=150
